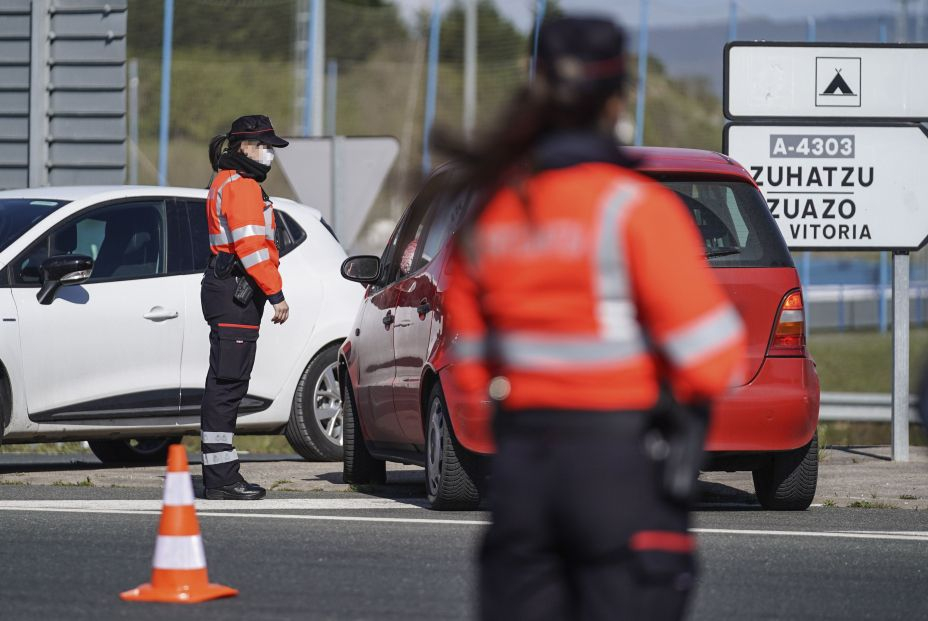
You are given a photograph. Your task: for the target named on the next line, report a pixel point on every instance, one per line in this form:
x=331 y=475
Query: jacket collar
x=562 y=149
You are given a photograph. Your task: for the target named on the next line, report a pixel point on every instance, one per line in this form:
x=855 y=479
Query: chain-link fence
x=233 y=57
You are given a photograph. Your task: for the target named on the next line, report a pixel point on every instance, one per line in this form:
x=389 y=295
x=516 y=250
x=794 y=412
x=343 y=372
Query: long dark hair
x=581 y=66
x=216 y=150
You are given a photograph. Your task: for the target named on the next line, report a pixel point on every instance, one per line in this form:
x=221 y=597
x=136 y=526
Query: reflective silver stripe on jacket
x=707 y=334
x=249 y=230
x=256 y=257
x=466 y=349
x=540 y=352
x=223 y=457
x=224 y=237
x=615 y=309
x=216 y=437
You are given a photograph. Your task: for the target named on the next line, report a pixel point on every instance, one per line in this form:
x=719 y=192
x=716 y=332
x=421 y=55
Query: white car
x=117 y=355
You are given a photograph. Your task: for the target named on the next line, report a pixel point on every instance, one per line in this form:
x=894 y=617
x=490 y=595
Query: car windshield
x=18 y=215
x=734 y=220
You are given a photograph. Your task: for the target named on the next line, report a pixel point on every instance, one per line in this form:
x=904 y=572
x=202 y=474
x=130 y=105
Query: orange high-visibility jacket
x=242 y=223
x=577 y=292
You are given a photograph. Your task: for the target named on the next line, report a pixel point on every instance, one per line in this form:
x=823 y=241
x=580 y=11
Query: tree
x=498 y=40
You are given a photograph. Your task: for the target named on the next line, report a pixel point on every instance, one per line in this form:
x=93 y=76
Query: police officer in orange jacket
x=579 y=289
x=242 y=275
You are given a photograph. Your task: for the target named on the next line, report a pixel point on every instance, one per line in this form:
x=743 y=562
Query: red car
x=400 y=406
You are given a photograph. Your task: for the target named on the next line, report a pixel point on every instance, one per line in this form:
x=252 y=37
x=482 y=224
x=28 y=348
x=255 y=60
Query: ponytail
x=216 y=150
x=494 y=158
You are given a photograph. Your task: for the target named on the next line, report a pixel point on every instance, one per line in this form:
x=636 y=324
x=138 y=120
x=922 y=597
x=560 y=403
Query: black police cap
x=580 y=50
x=255 y=127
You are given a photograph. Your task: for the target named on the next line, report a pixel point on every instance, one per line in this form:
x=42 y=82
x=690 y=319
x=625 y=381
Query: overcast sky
x=680 y=12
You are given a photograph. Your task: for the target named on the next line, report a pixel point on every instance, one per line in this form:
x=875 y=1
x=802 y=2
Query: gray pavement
x=74 y=533
x=847 y=475
x=405 y=562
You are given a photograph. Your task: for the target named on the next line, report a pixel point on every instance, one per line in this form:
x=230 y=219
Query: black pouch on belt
x=223 y=265
x=676 y=439
x=243 y=291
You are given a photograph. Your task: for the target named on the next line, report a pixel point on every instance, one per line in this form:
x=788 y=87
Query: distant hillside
x=696 y=51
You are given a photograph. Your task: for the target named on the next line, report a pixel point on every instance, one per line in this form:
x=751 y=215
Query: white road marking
x=255 y=510
x=901 y=536
x=275 y=504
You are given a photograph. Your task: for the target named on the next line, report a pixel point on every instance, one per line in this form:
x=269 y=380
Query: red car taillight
x=789 y=335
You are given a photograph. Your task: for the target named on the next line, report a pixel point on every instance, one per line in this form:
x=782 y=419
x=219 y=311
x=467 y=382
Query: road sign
x=820 y=81
x=340 y=176
x=839 y=186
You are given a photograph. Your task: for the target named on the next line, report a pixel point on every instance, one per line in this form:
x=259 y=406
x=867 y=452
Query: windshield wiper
x=722 y=252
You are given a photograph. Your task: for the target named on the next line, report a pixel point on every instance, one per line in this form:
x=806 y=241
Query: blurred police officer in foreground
x=242 y=275
x=579 y=291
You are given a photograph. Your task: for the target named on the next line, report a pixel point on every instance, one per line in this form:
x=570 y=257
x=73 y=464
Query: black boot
x=241 y=490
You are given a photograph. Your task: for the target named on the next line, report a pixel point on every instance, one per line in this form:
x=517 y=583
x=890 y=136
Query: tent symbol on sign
x=838 y=86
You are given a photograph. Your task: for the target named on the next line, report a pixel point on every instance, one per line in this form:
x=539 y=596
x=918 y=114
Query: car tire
x=359 y=467
x=450 y=470
x=132 y=451
x=787 y=482
x=316 y=426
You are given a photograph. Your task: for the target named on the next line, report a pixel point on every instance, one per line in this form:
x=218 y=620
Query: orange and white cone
x=179 y=567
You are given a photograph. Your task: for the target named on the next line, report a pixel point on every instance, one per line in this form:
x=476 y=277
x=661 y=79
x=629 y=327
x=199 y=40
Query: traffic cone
x=179 y=566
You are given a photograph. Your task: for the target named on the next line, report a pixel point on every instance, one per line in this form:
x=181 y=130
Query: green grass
x=858 y=361
x=908 y=497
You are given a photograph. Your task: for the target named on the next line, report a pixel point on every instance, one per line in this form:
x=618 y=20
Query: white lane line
x=866 y=535
x=278 y=516
x=275 y=504
x=901 y=536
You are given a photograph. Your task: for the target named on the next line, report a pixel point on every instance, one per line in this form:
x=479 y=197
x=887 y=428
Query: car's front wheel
x=451 y=473
x=358 y=466
x=133 y=451
x=316 y=426
x=787 y=482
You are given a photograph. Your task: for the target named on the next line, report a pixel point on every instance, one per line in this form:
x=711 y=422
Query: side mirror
x=63 y=270
x=364 y=269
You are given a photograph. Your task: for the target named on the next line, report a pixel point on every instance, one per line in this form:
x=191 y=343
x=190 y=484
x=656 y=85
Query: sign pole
x=900 y=434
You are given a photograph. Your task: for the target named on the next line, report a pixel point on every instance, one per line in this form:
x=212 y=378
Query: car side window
x=199 y=233
x=402 y=256
x=125 y=240
x=444 y=219
x=289 y=234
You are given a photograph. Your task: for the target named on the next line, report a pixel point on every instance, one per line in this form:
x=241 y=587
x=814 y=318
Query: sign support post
x=900 y=432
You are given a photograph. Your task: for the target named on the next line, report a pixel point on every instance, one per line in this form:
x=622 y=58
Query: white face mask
x=265 y=156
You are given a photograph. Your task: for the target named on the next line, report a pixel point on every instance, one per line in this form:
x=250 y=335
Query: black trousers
x=233 y=336
x=580 y=529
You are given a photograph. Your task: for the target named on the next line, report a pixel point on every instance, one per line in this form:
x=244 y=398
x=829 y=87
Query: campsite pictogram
x=837 y=82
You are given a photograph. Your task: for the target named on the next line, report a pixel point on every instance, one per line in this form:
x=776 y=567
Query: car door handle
x=388 y=318
x=160 y=314
x=424 y=307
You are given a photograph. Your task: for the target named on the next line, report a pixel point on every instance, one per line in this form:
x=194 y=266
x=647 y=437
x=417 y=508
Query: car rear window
x=734 y=220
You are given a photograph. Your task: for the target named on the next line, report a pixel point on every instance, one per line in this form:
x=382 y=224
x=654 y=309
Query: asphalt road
x=67 y=553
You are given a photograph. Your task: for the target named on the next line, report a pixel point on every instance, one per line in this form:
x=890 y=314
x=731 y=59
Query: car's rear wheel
x=787 y=482
x=133 y=451
x=450 y=471
x=316 y=426
x=358 y=465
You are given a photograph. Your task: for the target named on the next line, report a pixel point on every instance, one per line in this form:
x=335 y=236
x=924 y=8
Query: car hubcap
x=327 y=404
x=436 y=446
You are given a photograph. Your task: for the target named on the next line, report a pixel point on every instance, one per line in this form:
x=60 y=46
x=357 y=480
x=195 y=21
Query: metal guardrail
x=862 y=407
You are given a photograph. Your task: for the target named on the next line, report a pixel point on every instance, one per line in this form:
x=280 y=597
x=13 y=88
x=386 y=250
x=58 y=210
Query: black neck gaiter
x=243 y=165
